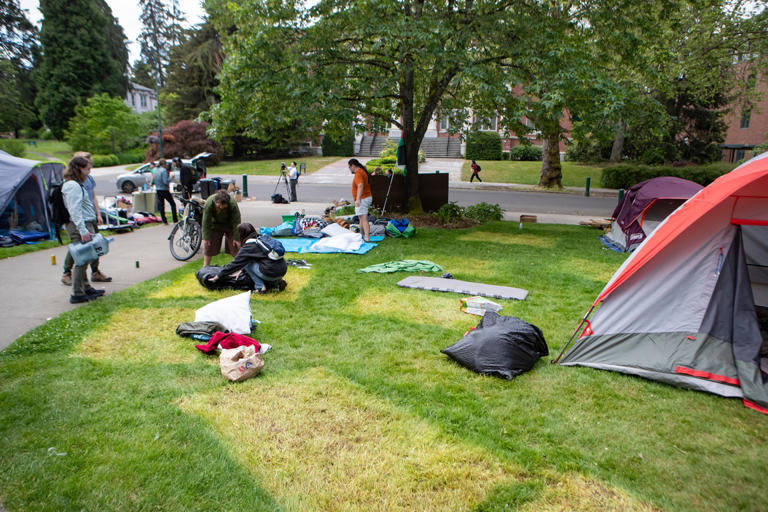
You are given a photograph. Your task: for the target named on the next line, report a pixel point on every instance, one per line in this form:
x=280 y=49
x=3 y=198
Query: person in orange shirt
x=361 y=193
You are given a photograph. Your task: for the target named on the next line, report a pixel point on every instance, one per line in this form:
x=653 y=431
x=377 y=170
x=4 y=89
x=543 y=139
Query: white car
x=136 y=179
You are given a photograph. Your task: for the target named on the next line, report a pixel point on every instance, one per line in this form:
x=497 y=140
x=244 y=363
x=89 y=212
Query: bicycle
x=187 y=235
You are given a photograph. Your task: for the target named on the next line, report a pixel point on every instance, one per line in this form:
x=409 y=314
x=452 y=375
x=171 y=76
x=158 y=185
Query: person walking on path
x=361 y=193
x=81 y=225
x=475 y=172
x=293 y=178
x=162 y=179
x=89 y=185
x=221 y=216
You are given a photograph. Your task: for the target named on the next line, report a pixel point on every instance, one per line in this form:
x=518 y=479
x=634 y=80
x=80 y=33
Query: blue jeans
x=257 y=277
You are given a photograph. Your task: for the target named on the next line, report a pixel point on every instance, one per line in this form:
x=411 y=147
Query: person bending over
x=221 y=216
x=265 y=272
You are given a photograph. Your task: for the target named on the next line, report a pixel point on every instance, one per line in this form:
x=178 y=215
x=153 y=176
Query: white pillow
x=334 y=229
x=234 y=313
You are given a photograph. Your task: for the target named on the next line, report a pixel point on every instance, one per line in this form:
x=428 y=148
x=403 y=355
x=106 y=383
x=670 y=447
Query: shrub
x=105 y=160
x=526 y=153
x=45 y=134
x=484 y=212
x=587 y=153
x=187 y=139
x=483 y=146
x=104 y=124
x=133 y=156
x=389 y=162
x=450 y=212
x=13 y=147
x=626 y=175
x=344 y=146
x=390 y=150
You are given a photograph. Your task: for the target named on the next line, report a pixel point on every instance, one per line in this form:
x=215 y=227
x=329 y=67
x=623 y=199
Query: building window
x=133 y=99
x=745 y=119
x=486 y=125
x=444 y=124
x=143 y=98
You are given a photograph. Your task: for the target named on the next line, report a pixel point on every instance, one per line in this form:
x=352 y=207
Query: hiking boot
x=100 y=278
x=66 y=278
x=79 y=299
x=281 y=284
x=95 y=292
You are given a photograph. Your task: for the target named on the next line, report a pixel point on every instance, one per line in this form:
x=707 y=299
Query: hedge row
x=133 y=156
x=526 y=153
x=626 y=175
x=483 y=146
x=345 y=146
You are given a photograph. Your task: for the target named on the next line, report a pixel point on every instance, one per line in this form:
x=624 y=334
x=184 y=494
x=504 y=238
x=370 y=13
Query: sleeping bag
x=225 y=281
x=504 y=346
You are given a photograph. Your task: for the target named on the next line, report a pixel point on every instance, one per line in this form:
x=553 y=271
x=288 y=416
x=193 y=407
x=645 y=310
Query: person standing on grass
x=81 y=225
x=162 y=181
x=361 y=193
x=221 y=216
x=90 y=186
x=475 y=172
x=186 y=177
x=293 y=178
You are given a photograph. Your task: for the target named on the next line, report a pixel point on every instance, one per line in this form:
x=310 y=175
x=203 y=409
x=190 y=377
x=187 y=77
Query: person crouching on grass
x=361 y=193
x=221 y=216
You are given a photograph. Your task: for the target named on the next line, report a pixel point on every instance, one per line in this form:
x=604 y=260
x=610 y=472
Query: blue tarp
x=304 y=245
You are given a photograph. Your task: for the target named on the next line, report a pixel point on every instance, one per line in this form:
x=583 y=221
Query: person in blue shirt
x=162 y=181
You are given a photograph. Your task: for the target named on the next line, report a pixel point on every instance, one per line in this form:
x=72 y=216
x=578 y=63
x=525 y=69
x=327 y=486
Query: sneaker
x=100 y=278
x=78 y=299
x=95 y=292
x=67 y=278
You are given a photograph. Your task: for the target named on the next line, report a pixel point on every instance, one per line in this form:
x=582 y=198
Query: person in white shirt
x=293 y=177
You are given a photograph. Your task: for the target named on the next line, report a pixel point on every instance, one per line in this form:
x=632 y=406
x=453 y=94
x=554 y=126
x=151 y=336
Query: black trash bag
x=504 y=346
x=225 y=281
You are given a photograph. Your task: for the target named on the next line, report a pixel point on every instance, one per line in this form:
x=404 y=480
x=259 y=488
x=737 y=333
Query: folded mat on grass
x=403 y=266
x=438 y=284
x=304 y=245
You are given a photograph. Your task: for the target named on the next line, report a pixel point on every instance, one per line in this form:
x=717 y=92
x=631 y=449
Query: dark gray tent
x=688 y=306
x=24 y=186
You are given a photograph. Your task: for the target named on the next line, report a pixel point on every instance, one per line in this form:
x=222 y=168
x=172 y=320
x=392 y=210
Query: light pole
x=159 y=117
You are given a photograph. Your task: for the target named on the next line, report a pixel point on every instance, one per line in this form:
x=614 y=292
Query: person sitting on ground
x=221 y=216
x=252 y=258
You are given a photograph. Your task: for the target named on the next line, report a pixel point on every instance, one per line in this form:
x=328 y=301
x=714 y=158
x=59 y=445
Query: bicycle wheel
x=185 y=240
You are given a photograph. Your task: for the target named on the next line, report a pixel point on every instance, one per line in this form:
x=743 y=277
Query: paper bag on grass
x=241 y=363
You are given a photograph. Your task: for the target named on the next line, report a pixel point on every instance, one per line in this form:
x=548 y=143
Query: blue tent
x=24 y=186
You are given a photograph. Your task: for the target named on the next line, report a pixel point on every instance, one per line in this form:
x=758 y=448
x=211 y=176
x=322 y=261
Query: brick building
x=747 y=128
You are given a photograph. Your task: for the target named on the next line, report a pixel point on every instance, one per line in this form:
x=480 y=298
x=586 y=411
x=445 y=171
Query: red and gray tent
x=683 y=309
x=645 y=206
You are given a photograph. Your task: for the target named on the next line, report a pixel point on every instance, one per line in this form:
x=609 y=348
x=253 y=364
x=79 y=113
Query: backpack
x=279 y=199
x=272 y=247
x=478 y=168
x=58 y=208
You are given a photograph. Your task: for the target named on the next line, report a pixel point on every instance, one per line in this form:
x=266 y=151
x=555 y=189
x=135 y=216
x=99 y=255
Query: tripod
x=283 y=178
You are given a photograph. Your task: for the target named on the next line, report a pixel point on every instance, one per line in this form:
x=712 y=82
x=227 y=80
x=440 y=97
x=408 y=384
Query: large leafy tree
x=192 y=74
x=83 y=54
x=340 y=64
x=19 y=53
x=104 y=124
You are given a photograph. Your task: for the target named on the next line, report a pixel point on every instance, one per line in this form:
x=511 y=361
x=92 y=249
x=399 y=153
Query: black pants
x=293 y=190
x=475 y=175
x=162 y=197
x=186 y=190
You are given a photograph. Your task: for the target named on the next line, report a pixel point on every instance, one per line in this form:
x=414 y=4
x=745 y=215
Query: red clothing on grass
x=227 y=340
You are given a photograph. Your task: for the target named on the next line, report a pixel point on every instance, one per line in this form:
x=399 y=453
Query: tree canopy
x=84 y=54
x=104 y=124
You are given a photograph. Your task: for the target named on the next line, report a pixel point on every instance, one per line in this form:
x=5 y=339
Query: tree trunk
x=551 y=172
x=617 y=150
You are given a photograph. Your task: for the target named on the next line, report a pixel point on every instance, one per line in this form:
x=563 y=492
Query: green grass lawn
x=527 y=173
x=47 y=150
x=270 y=167
x=105 y=408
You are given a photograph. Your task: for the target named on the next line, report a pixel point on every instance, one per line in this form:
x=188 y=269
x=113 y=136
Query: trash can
x=207 y=187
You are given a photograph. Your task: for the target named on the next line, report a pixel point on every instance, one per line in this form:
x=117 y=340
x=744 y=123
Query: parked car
x=136 y=179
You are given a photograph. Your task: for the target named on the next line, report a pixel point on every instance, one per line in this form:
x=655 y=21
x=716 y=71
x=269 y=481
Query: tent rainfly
x=687 y=307
x=24 y=188
x=645 y=206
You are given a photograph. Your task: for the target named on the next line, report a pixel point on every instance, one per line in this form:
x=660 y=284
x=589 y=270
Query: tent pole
x=557 y=360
